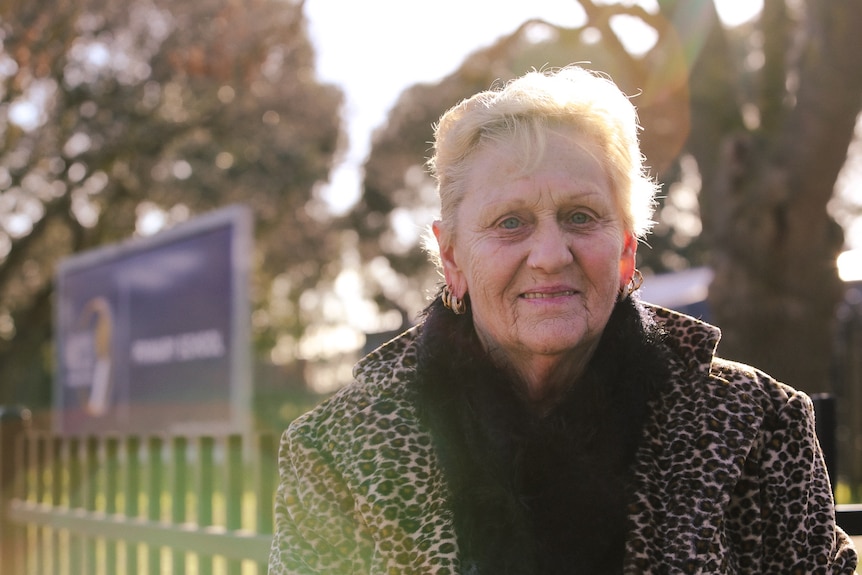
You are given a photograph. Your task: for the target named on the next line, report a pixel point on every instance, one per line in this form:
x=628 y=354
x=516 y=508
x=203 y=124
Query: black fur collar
x=538 y=493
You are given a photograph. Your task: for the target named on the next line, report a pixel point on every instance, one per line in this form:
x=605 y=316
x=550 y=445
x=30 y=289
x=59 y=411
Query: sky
x=377 y=48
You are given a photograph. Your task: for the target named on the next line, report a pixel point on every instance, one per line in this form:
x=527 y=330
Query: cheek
x=605 y=265
x=481 y=276
x=488 y=272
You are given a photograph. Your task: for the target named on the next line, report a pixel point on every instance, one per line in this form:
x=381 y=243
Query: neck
x=545 y=378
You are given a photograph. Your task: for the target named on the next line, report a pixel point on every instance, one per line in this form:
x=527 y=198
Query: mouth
x=547 y=295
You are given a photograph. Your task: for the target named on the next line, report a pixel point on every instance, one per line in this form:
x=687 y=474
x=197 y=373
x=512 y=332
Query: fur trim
x=538 y=493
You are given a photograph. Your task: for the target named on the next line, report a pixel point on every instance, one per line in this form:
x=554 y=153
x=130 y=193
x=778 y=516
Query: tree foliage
x=115 y=114
x=746 y=129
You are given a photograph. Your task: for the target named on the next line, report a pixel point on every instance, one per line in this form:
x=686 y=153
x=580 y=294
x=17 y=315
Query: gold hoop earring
x=452 y=301
x=635 y=283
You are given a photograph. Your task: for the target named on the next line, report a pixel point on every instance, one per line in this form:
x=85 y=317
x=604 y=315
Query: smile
x=534 y=295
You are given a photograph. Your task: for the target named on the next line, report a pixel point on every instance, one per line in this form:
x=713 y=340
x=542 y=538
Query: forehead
x=561 y=161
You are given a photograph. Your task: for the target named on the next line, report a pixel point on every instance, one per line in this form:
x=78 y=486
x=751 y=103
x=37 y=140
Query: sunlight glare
x=850 y=266
x=637 y=36
x=734 y=12
x=150 y=219
x=24 y=114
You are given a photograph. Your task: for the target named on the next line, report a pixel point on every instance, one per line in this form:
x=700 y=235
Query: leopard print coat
x=729 y=476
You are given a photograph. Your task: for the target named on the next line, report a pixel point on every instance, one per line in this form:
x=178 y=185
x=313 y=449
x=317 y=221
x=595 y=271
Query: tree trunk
x=776 y=287
x=774 y=245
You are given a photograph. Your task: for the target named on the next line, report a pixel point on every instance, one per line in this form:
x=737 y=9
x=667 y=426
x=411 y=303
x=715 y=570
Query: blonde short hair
x=522 y=111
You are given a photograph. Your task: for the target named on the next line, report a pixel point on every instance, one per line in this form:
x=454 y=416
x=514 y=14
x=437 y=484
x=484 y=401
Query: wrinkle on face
x=556 y=233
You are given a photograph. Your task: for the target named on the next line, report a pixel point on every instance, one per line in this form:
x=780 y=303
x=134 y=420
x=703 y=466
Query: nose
x=549 y=250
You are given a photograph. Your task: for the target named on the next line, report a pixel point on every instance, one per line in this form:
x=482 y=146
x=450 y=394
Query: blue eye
x=580 y=218
x=510 y=223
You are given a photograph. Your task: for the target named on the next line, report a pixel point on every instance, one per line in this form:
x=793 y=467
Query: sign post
x=153 y=334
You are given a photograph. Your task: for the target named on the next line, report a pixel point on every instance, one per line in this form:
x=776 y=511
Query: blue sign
x=153 y=334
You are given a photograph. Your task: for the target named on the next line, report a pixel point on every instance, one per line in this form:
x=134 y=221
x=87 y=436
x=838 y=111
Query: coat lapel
x=696 y=440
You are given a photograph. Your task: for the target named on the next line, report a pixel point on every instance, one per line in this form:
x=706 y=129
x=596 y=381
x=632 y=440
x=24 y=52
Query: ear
x=452 y=272
x=628 y=258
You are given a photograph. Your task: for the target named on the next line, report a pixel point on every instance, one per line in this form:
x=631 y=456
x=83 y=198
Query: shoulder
x=377 y=401
x=703 y=376
x=752 y=379
x=774 y=399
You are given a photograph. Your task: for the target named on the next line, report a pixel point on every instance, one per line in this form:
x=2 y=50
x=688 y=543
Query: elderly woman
x=540 y=418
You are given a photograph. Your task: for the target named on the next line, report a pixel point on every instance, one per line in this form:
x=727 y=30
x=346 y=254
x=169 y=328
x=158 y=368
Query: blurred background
x=121 y=119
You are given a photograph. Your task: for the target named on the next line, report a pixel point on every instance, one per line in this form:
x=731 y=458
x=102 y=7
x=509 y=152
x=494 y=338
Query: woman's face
x=542 y=254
